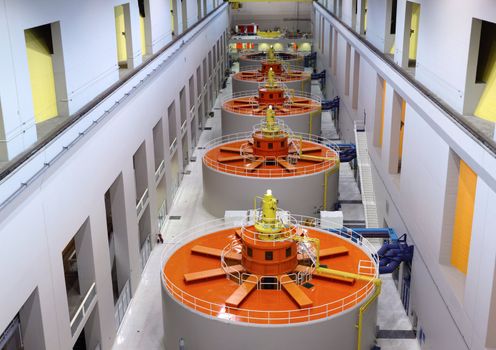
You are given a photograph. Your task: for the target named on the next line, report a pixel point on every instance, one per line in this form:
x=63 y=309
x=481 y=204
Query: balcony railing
x=173 y=145
x=162 y=213
x=142 y=203
x=466 y=124
x=122 y=304
x=23 y=170
x=83 y=310
x=160 y=171
x=183 y=126
x=146 y=249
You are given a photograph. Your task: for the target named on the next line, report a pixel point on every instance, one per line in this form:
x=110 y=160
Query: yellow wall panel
x=172 y=15
x=464 y=213
x=486 y=108
x=41 y=76
x=120 y=28
x=414 y=31
x=383 y=108
x=142 y=36
x=365 y=16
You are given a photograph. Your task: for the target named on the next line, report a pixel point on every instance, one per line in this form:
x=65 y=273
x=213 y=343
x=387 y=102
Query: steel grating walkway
x=365 y=172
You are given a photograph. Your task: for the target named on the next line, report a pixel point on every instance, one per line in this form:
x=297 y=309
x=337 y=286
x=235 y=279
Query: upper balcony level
x=447 y=52
x=60 y=81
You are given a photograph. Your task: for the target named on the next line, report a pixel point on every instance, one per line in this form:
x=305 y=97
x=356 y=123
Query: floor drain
x=192 y=159
x=175 y=217
x=187 y=172
x=207 y=128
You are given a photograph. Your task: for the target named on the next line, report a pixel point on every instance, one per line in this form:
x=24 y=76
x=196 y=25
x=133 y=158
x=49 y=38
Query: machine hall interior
x=247 y=174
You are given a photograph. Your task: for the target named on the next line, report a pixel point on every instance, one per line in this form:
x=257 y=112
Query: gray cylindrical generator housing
x=245 y=62
x=238 y=85
x=202 y=332
x=303 y=194
x=233 y=122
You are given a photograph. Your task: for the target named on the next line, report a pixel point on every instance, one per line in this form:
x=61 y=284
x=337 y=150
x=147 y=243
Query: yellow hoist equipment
x=269 y=225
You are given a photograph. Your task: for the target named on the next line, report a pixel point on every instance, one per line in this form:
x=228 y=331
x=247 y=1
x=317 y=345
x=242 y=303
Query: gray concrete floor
x=142 y=327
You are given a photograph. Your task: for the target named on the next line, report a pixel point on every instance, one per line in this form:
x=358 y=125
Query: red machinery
x=246 y=29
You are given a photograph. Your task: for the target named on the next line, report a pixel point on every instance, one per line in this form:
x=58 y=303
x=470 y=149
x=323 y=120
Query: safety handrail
x=279 y=123
x=101 y=103
x=289 y=228
x=283 y=56
x=254 y=93
x=142 y=201
x=292 y=109
x=247 y=135
x=329 y=161
x=232 y=314
x=485 y=141
x=83 y=308
x=160 y=170
x=271 y=173
x=285 y=67
x=239 y=277
x=278 y=79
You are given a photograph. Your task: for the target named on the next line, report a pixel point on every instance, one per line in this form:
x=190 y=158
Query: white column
x=133 y=37
x=17 y=125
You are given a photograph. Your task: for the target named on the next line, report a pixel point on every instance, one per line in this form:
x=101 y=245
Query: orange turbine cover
x=270 y=146
x=271 y=96
x=276 y=67
x=269 y=258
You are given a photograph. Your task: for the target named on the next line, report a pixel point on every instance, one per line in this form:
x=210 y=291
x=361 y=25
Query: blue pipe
x=317 y=76
x=321 y=77
x=310 y=59
x=393 y=253
x=330 y=104
x=347 y=151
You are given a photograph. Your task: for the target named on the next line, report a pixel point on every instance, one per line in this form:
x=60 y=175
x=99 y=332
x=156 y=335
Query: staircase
x=365 y=173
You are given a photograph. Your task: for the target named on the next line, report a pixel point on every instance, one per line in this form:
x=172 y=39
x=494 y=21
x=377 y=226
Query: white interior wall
x=192 y=12
x=90 y=61
x=377 y=15
x=160 y=20
x=210 y=5
x=347 y=12
x=40 y=222
x=453 y=312
x=17 y=118
x=179 y=16
x=444 y=32
x=270 y=15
